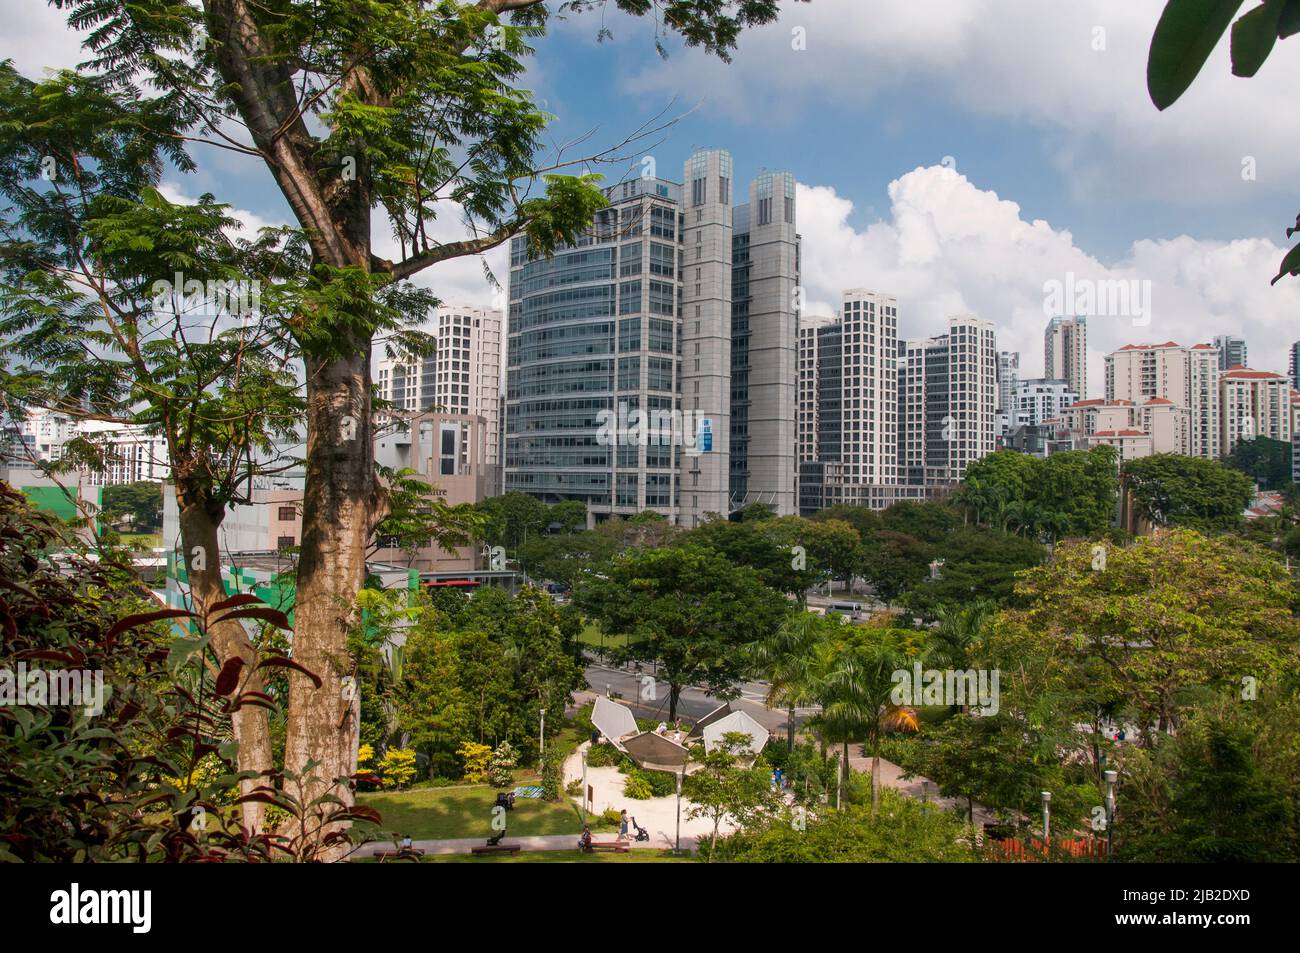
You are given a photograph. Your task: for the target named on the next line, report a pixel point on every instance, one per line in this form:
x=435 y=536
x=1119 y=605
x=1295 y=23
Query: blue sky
x=1061 y=164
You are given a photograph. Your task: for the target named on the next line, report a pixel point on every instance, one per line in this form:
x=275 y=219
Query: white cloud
x=948 y=247
x=36 y=37
x=1019 y=60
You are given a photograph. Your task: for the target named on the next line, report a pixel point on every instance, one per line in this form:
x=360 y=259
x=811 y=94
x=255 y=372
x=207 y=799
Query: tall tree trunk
x=674 y=692
x=340 y=501
x=789 y=729
x=199 y=521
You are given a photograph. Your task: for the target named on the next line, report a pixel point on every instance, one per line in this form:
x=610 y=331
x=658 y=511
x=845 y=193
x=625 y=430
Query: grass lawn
x=437 y=813
x=590 y=635
x=142 y=540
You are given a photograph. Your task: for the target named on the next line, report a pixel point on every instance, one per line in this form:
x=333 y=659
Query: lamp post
x=1111 y=777
x=584 y=787
x=677 y=848
x=1047 y=817
x=541 y=740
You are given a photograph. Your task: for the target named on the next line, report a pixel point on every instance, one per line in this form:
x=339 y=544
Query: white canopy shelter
x=613 y=720
x=736 y=722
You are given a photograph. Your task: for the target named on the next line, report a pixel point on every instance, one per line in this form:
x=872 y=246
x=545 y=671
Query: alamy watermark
x=217 y=296
x=633 y=427
x=38 y=686
x=977 y=688
x=1104 y=297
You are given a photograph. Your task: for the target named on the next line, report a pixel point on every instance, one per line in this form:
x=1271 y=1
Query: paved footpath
x=462 y=845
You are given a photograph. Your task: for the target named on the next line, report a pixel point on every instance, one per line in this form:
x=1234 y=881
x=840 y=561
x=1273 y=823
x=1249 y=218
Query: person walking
x=622 y=825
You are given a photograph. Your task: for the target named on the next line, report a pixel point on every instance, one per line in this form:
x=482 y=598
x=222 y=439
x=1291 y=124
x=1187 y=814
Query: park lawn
x=438 y=813
x=559 y=857
x=590 y=636
x=142 y=540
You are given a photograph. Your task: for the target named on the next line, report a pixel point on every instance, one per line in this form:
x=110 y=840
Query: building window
x=285 y=542
x=286 y=514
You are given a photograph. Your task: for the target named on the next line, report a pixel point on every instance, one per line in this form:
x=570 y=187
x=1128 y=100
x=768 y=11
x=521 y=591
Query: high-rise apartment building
x=1293 y=364
x=1204 y=426
x=1008 y=375
x=1188 y=377
x=639 y=317
x=1040 y=399
x=1253 y=404
x=947 y=406
x=1232 y=351
x=1065 y=352
x=1138 y=371
x=460 y=375
x=810 y=338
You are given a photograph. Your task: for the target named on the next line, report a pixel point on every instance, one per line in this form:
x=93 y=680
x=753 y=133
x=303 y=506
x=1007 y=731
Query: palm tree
x=855 y=686
x=786 y=659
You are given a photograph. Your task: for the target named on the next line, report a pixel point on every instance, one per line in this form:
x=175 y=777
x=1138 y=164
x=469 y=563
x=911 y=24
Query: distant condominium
x=1008 y=375
x=1065 y=352
x=127 y=453
x=894 y=420
x=461 y=373
x=674 y=304
x=1040 y=399
x=1254 y=404
x=1185 y=401
x=1293 y=364
x=1232 y=351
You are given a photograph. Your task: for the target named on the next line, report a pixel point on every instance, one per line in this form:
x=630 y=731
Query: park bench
x=406 y=853
x=495 y=849
x=617 y=846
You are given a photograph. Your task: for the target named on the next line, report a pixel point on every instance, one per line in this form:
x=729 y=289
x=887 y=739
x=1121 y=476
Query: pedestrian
x=622 y=825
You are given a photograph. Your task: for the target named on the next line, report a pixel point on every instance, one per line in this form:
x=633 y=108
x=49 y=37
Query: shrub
x=397 y=767
x=637 y=786
x=475 y=758
x=501 y=769
x=603 y=756
x=552 y=774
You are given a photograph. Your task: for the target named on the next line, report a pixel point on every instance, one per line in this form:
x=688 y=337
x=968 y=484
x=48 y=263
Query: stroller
x=639 y=832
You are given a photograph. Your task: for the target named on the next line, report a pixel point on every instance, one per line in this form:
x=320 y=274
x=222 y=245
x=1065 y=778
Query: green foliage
x=150 y=777
x=1067 y=494
x=501 y=769
x=552 y=774
x=693 y=610
x=483 y=674
x=475 y=758
x=1221 y=791
x=1265 y=460
x=603 y=755
x=140 y=504
x=977 y=565
x=902 y=830
x=637 y=786
x=397 y=767
x=1162 y=617
x=1170 y=489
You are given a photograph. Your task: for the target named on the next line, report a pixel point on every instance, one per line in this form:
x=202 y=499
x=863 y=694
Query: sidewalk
x=462 y=845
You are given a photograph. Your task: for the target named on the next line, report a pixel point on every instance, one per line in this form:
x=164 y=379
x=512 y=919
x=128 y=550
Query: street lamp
x=1111 y=777
x=584 y=787
x=1047 y=817
x=677 y=849
x=541 y=740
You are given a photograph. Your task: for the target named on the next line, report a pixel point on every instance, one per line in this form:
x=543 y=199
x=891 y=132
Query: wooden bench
x=617 y=846
x=495 y=849
x=406 y=853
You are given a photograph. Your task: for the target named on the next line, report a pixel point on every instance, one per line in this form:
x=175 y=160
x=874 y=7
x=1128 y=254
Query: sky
x=958 y=154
